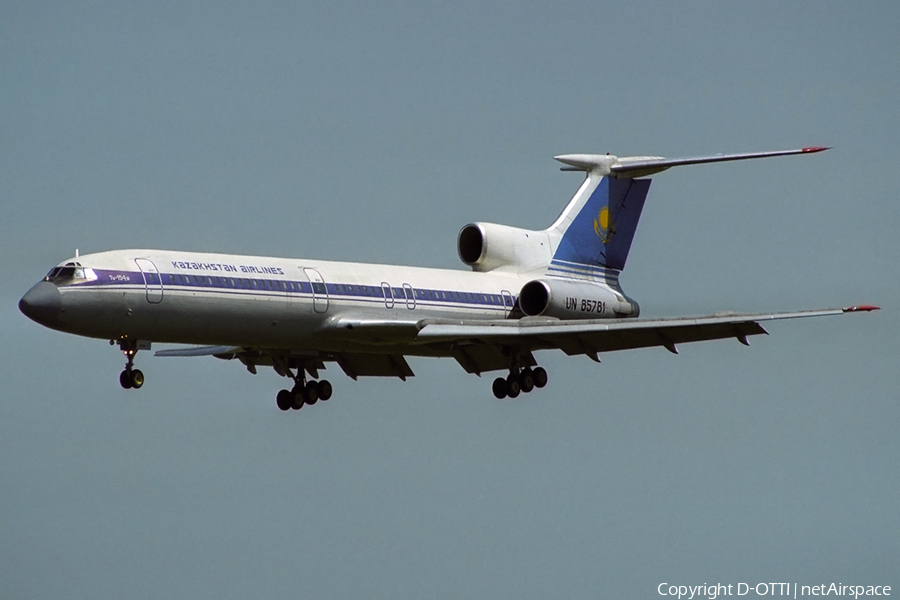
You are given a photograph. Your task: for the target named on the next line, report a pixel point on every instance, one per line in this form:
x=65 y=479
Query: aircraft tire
x=283 y=399
x=324 y=390
x=526 y=381
x=311 y=393
x=499 y=388
x=297 y=398
x=125 y=379
x=540 y=377
x=137 y=379
x=512 y=386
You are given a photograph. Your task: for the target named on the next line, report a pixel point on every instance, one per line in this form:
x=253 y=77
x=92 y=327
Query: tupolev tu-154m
x=526 y=291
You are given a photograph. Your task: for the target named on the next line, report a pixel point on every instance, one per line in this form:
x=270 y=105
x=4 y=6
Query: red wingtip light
x=815 y=149
x=862 y=308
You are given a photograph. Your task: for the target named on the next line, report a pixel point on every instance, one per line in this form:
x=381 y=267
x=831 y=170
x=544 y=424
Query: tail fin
x=596 y=229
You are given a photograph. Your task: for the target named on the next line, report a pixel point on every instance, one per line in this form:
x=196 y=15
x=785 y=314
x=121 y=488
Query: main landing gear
x=522 y=381
x=130 y=378
x=308 y=392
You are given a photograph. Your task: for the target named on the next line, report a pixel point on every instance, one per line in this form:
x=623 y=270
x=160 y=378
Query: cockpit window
x=71 y=272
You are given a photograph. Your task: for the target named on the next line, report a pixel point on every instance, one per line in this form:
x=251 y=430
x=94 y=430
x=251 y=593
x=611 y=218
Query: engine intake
x=573 y=300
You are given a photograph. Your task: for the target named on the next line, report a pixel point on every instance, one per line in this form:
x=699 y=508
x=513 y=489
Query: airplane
x=527 y=291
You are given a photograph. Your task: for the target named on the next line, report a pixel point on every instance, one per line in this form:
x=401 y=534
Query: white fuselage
x=220 y=299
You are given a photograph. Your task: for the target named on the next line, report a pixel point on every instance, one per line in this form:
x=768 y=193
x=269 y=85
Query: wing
x=472 y=340
x=379 y=346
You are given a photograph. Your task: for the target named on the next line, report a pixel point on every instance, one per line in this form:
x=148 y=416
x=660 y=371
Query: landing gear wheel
x=512 y=386
x=137 y=379
x=283 y=399
x=499 y=388
x=125 y=380
x=540 y=377
x=311 y=393
x=526 y=380
x=324 y=390
x=297 y=397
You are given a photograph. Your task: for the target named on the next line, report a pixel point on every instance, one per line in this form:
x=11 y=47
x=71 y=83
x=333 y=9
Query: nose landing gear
x=130 y=378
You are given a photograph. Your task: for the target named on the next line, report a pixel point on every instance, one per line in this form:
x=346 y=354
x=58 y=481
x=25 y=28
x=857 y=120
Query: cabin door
x=388 y=294
x=508 y=302
x=319 y=290
x=410 y=296
x=152 y=280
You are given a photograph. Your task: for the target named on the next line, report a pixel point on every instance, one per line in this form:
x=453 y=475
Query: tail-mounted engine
x=487 y=246
x=573 y=300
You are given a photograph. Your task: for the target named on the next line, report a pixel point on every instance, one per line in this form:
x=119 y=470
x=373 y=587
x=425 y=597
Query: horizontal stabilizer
x=641 y=166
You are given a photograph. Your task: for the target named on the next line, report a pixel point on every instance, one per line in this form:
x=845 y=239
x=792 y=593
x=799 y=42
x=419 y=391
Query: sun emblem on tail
x=604 y=229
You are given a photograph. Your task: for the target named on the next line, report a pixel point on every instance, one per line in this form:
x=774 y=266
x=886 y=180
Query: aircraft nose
x=42 y=303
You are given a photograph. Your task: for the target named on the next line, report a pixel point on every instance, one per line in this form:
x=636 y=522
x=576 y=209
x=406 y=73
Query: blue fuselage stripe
x=282 y=288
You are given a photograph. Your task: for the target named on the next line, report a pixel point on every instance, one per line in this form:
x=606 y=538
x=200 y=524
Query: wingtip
x=861 y=308
x=812 y=149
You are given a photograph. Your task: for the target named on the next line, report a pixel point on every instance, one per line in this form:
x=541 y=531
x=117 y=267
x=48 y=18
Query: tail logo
x=604 y=229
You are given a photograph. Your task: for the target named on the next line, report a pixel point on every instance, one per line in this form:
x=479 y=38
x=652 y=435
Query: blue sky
x=374 y=133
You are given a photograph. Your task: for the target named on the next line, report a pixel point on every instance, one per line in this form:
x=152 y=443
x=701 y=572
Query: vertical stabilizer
x=599 y=224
